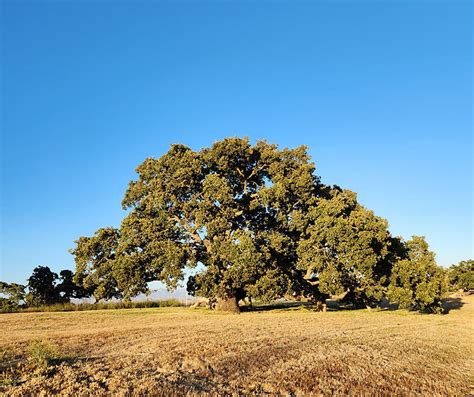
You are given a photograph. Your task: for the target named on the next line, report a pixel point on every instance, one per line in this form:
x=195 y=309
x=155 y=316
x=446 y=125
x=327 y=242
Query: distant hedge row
x=71 y=307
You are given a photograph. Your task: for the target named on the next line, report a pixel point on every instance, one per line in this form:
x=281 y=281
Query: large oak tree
x=255 y=221
x=229 y=207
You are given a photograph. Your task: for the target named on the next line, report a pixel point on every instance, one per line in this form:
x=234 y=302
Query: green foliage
x=68 y=289
x=345 y=248
x=417 y=282
x=95 y=258
x=71 y=307
x=461 y=276
x=46 y=288
x=41 y=287
x=11 y=296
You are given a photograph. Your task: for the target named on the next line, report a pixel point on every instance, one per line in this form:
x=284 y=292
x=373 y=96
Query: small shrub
x=8 y=379
x=42 y=354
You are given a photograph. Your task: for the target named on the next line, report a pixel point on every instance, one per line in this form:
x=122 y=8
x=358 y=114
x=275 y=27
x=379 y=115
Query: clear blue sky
x=381 y=92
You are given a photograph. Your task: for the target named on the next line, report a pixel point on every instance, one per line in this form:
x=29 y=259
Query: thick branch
x=193 y=232
x=308 y=276
x=246 y=179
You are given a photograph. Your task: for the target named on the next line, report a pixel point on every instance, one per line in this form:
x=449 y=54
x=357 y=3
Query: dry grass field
x=183 y=351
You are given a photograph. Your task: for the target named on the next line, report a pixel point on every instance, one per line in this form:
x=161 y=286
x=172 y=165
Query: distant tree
x=345 y=249
x=42 y=287
x=417 y=282
x=461 y=276
x=11 y=296
x=68 y=289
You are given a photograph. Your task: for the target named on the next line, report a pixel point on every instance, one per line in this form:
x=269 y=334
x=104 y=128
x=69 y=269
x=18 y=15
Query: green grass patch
x=42 y=354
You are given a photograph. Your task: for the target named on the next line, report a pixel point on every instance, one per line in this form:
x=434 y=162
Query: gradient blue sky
x=381 y=92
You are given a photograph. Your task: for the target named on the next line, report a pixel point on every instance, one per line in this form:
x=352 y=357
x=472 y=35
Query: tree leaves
x=416 y=281
x=345 y=247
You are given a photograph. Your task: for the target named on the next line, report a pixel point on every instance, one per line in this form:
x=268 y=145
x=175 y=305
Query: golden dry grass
x=179 y=351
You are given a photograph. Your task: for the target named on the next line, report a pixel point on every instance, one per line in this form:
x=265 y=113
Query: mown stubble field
x=182 y=351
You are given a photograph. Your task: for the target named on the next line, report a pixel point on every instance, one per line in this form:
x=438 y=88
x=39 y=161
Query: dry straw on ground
x=183 y=351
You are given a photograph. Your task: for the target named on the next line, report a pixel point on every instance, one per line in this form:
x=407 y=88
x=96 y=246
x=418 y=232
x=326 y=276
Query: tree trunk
x=228 y=304
x=319 y=301
x=320 y=306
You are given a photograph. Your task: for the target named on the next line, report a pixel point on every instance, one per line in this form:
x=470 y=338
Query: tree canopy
x=41 y=287
x=255 y=221
x=461 y=276
x=94 y=257
x=228 y=207
x=346 y=248
x=11 y=296
x=416 y=281
x=44 y=288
